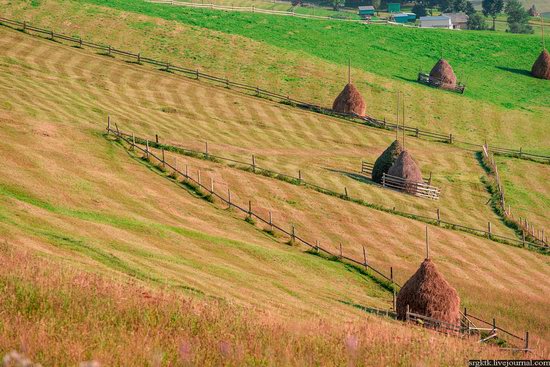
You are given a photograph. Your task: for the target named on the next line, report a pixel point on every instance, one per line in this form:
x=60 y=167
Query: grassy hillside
x=54 y=313
x=504 y=107
x=160 y=234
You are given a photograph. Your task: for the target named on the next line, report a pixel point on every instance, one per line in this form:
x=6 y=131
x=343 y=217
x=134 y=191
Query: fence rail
x=420 y=189
x=257 y=91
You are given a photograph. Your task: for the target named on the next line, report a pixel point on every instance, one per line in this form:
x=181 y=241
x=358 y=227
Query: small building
x=403 y=17
x=459 y=20
x=441 y=21
x=366 y=11
x=394 y=7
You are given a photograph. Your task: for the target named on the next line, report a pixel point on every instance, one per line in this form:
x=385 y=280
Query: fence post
x=365 y=257
x=450 y=138
x=489 y=229
x=156 y=138
x=211 y=185
x=250 y=209
x=80 y=43
x=293 y=235
x=227 y=83
x=133 y=142
x=147 y=149
x=407 y=314
x=438 y=217
x=300 y=176
x=430 y=179
x=24 y=26
x=520 y=151
x=257 y=91
x=346 y=191
x=197 y=74
x=228 y=198
x=51 y=35
x=199 y=176
x=417 y=132
x=206 y=148
x=186 y=171
x=523 y=237
x=383 y=180
x=253 y=163
x=494 y=325
x=341 y=252
x=109 y=50
x=270 y=221
x=139 y=58
x=163 y=161
x=108 y=124
x=526 y=341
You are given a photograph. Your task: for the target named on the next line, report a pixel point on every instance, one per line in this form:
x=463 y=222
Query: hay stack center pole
x=427 y=243
x=397 y=122
x=542 y=32
x=349 y=70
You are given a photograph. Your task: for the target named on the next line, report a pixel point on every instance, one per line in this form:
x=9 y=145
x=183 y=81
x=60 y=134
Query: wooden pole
x=163 y=161
x=349 y=70
x=229 y=198
x=403 y=120
x=341 y=252
x=346 y=191
x=300 y=176
x=147 y=149
x=489 y=229
x=156 y=138
x=108 y=123
x=206 y=148
x=211 y=185
x=199 y=177
x=133 y=141
x=270 y=221
x=249 y=208
x=364 y=256
x=526 y=341
x=253 y=163
x=397 y=122
x=438 y=217
x=186 y=171
x=293 y=237
x=542 y=32
x=407 y=314
x=427 y=244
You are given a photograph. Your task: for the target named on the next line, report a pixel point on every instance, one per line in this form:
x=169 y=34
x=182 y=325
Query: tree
x=492 y=8
x=419 y=10
x=518 y=18
x=336 y=4
x=469 y=9
x=477 y=22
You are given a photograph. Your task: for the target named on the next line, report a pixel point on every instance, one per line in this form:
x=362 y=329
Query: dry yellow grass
x=74 y=197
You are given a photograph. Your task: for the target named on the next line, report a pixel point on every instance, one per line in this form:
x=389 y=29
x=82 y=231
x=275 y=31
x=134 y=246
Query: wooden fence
x=528 y=229
x=291 y=233
x=299 y=179
x=420 y=189
x=257 y=91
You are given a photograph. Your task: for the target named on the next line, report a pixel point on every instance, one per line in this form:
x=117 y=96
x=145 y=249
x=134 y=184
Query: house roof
x=367 y=7
x=457 y=17
x=441 y=17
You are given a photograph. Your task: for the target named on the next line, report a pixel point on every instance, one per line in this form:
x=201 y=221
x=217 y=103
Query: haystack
x=541 y=67
x=406 y=168
x=386 y=160
x=428 y=293
x=443 y=72
x=350 y=101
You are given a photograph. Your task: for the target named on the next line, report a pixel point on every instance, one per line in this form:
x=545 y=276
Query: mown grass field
x=132 y=221
x=502 y=104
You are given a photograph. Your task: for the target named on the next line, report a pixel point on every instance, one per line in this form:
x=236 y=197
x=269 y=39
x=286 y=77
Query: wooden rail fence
x=420 y=189
x=257 y=91
x=528 y=229
x=299 y=179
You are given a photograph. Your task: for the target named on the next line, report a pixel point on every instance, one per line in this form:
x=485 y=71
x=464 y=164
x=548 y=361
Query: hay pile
x=541 y=67
x=350 y=101
x=386 y=160
x=444 y=73
x=406 y=168
x=428 y=293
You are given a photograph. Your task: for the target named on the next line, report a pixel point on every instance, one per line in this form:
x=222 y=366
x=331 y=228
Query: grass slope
x=76 y=95
x=290 y=67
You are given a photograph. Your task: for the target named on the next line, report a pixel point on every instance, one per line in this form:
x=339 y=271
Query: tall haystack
x=386 y=160
x=406 y=168
x=541 y=67
x=443 y=72
x=350 y=101
x=428 y=293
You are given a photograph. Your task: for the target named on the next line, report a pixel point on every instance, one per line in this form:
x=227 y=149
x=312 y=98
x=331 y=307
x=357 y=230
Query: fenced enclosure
x=225 y=197
x=527 y=229
x=299 y=179
x=420 y=189
x=138 y=58
x=425 y=78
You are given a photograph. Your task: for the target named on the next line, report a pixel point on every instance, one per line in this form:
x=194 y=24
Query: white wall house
x=436 y=22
